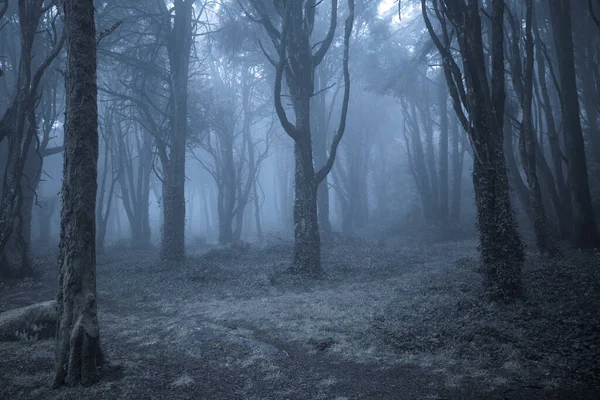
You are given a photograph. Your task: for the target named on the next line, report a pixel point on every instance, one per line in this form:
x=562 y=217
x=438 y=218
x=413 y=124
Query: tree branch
x=320 y=54
x=322 y=173
x=289 y=128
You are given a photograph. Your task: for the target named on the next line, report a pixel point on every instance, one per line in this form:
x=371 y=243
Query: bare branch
x=108 y=31
x=290 y=129
x=320 y=54
x=322 y=173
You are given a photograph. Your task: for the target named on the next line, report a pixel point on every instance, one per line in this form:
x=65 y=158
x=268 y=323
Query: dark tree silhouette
x=297 y=59
x=484 y=99
x=585 y=231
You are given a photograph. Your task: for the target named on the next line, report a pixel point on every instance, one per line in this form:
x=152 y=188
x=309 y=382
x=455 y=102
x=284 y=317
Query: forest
x=299 y=199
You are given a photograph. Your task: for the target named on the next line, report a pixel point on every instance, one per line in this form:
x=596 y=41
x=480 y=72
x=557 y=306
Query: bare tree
x=109 y=177
x=297 y=59
x=484 y=99
x=522 y=78
x=18 y=126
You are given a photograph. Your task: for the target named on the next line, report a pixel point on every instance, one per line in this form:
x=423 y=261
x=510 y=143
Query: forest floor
x=394 y=320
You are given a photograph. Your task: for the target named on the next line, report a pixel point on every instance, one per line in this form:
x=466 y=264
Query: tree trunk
x=516 y=181
x=431 y=164
x=78 y=354
x=173 y=234
x=44 y=218
x=527 y=139
x=419 y=165
x=443 y=179
x=320 y=149
x=205 y=200
x=563 y=209
x=32 y=173
x=307 y=241
x=484 y=97
x=259 y=232
x=178 y=48
x=585 y=230
x=239 y=214
x=225 y=215
x=499 y=239
x=457 y=169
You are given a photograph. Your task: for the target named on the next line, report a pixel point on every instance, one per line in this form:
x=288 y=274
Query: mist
x=299 y=199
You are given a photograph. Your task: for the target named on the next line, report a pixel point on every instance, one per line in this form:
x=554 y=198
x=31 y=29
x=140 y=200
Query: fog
x=268 y=199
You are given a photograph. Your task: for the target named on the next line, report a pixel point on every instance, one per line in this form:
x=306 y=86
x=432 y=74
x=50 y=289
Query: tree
x=297 y=59
x=351 y=172
x=481 y=92
x=522 y=79
x=585 y=231
x=18 y=126
x=106 y=189
x=226 y=115
x=562 y=203
x=443 y=171
x=78 y=354
x=178 y=37
x=457 y=169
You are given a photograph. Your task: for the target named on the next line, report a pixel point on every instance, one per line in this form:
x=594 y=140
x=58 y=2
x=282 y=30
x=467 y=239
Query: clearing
x=394 y=320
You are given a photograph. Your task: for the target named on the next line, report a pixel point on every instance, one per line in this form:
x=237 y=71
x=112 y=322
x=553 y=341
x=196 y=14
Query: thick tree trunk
x=307 y=240
x=173 y=232
x=178 y=48
x=484 y=97
x=78 y=355
x=499 y=240
x=585 y=231
x=226 y=198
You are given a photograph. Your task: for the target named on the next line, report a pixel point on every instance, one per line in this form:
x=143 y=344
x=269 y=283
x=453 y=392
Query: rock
x=34 y=322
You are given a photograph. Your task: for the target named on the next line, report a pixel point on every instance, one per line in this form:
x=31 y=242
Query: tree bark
x=78 y=354
x=307 y=240
x=179 y=41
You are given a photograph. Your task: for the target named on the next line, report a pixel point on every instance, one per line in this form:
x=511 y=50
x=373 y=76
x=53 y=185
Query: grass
x=391 y=320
